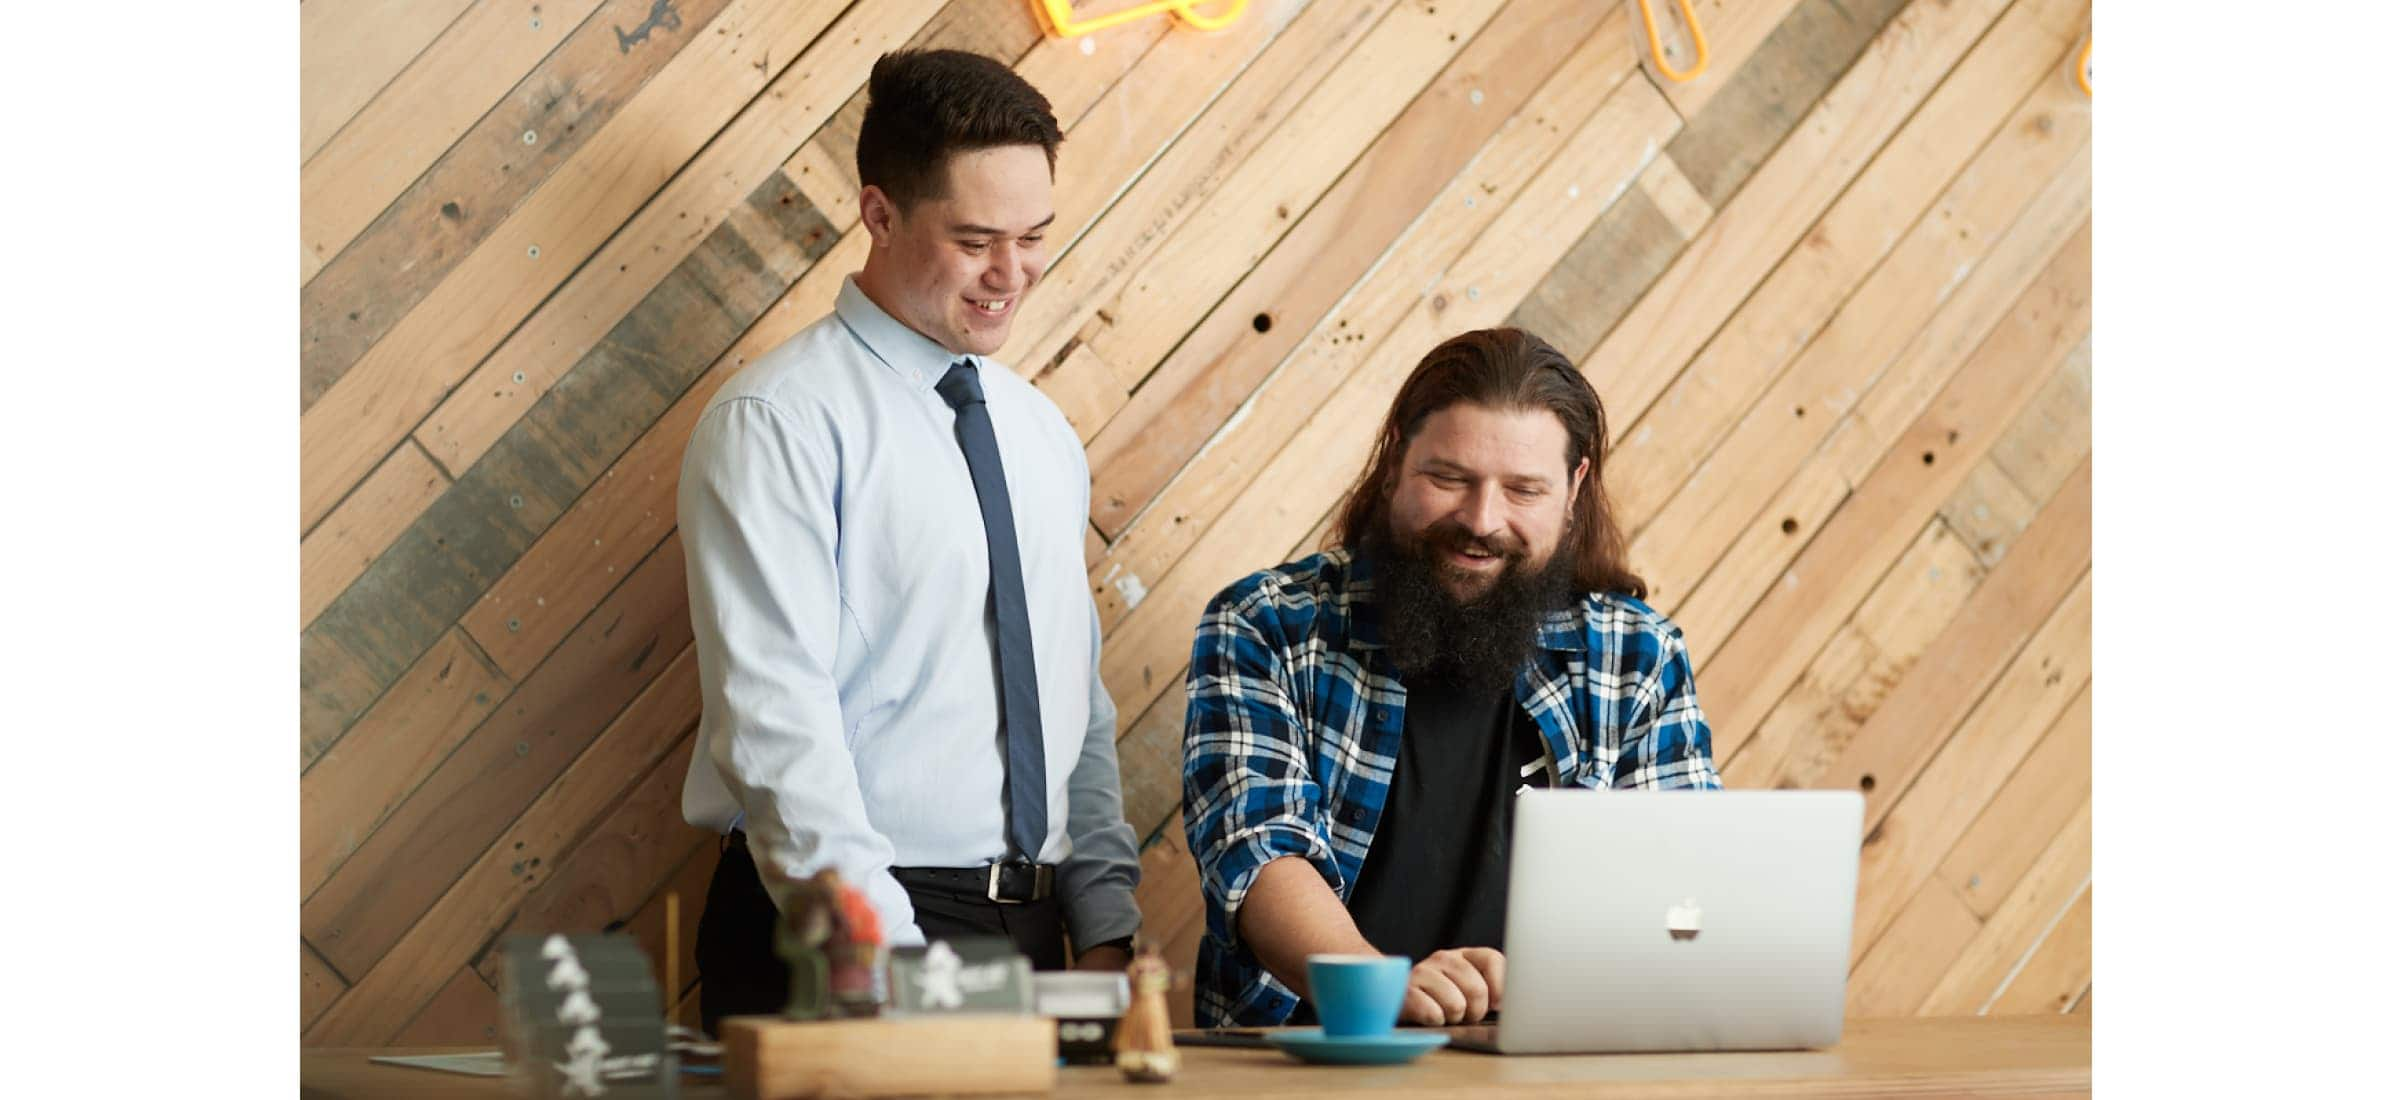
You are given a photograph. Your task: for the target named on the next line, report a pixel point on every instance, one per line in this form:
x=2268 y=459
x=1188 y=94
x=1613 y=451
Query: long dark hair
x=1504 y=368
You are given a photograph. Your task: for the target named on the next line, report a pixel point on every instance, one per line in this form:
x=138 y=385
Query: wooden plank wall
x=1835 y=293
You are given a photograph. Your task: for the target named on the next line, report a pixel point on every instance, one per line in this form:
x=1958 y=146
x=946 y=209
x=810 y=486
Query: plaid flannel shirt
x=1295 y=713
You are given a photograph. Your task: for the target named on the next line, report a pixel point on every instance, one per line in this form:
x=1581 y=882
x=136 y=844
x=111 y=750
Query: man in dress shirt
x=896 y=643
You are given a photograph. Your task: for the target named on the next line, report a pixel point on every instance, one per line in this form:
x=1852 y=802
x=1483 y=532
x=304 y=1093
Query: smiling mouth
x=1475 y=558
x=992 y=308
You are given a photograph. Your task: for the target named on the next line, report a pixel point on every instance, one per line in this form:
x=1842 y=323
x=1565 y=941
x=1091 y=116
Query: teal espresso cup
x=1358 y=996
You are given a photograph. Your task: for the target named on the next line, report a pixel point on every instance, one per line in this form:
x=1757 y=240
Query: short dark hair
x=1503 y=369
x=926 y=106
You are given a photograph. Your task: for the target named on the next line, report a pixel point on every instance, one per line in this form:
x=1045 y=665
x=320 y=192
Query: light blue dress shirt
x=838 y=583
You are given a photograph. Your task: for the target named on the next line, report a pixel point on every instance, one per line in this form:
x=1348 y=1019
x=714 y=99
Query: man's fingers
x=1474 y=989
x=1431 y=981
x=1489 y=963
x=1459 y=969
x=1420 y=1008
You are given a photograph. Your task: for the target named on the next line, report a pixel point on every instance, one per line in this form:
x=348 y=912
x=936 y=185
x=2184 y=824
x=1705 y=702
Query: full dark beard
x=1478 y=644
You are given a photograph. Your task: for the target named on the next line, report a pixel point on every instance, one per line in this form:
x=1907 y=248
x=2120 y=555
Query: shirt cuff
x=1101 y=912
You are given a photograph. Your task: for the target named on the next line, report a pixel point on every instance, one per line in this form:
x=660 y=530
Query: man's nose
x=1482 y=511
x=1009 y=269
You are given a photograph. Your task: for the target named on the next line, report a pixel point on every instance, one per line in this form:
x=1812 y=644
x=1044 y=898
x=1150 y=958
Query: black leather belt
x=1012 y=883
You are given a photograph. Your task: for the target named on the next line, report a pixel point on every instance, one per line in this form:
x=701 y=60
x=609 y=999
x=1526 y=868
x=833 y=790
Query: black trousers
x=740 y=974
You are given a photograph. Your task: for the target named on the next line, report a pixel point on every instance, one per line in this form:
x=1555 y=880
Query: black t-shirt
x=1440 y=858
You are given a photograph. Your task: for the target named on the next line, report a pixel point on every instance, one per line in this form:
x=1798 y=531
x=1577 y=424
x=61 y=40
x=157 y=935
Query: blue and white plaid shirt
x=1295 y=712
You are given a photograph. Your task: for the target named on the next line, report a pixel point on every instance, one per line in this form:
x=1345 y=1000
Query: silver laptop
x=1676 y=921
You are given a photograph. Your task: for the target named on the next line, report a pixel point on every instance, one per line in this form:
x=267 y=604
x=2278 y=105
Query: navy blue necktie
x=1025 y=748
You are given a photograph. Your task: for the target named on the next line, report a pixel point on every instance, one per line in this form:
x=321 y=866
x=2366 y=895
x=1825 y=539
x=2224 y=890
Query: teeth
x=993 y=307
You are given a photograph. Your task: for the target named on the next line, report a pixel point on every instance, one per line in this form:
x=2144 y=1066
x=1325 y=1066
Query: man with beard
x=1358 y=721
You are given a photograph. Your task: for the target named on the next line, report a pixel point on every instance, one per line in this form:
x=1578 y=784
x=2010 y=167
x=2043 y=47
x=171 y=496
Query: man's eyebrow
x=1444 y=465
x=986 y=231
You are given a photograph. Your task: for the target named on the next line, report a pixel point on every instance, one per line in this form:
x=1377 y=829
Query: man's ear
x=1578 y=477
x=1395 y=471
x=879 y=214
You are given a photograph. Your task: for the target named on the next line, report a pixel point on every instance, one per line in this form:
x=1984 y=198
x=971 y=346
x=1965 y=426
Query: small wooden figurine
x=830 y=937
x=1142 y=1043
x=854 y=954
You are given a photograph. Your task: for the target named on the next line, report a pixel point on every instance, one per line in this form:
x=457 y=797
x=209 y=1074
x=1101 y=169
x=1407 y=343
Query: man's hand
x=1458 y=985
x=1102 y=958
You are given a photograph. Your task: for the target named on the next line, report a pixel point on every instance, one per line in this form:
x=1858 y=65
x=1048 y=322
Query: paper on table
x=489 y=1063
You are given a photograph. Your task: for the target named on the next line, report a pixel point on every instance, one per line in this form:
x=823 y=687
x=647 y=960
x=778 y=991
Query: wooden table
x=1955 y=1056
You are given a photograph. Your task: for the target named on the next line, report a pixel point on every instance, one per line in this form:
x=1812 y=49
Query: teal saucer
x=1391 y=1049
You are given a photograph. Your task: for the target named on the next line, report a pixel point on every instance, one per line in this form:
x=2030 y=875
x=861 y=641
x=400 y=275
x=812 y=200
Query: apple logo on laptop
x=1684 y=920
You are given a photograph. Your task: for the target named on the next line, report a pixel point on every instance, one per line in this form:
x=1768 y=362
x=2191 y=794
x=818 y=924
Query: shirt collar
x=1562 y=630
x=917 y=360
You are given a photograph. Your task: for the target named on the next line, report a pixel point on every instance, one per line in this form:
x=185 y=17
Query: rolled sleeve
x=1249 y=793
x=1668 y=742
x=1099 y=879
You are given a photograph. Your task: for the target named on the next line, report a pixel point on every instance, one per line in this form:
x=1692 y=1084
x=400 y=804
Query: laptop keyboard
x=1477 y=1035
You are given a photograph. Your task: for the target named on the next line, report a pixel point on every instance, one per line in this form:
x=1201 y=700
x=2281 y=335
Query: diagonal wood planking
x=468 y=879
x=1904 y=486
x=1793 y=166
x=1911 y=342
x=1857 y=122
x=1777 y=201
x=2060 y=968
x=333 y=555
x=1150 y=745
x=1735 y=30
x=1361 y=326
x=2013 y=935
x=1873 y=653
x=1878 y=218
x=2032 y=806
x=508 y=760
x=383 y=148
x=638 y=844
x=463 y=1013
x=436 y=345
x=1247 y=215
x=1353 y=331
x=1614 y=266
x=1907 y=842
x=1205 y=373
x=779 y=122
x=1371 y=62
x=415 y=242
x=481 y=524
x=350 y=49
x=351 y=789
x=1146 y=727
x=1072 y=80
x=1305 y=476
x=624 y=515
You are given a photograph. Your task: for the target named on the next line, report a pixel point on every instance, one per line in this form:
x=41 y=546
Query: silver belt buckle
x=1042 y=883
